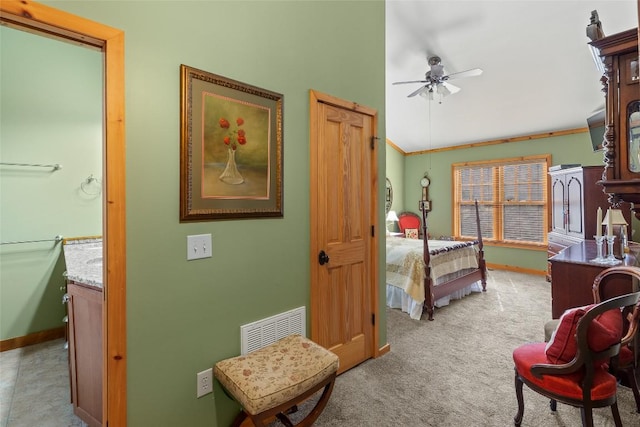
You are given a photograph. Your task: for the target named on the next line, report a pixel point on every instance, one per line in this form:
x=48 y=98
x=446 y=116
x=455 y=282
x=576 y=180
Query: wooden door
x=575 y=204
x=343 y=227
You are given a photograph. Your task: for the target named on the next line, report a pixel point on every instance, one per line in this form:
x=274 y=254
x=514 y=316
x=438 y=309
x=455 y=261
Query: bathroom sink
x=84 y=260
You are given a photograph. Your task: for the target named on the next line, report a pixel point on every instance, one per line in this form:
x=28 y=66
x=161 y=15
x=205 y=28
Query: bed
x=424 y=274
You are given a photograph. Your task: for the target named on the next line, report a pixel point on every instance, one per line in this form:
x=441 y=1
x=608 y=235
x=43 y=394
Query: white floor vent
x=261 y=333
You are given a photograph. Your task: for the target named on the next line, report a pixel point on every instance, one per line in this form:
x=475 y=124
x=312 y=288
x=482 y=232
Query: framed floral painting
x=230 y=148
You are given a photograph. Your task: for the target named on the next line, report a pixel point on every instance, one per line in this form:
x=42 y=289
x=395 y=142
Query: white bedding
x=397 y=298
x=405 y=272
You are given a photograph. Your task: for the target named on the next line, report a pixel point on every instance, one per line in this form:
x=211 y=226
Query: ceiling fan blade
x=419 y=91
x=451 y=88
x=468 y=73
x=410 y=81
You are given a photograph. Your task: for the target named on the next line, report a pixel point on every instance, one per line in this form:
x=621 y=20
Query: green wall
x=574 y=148
x=51 y=104
x=184 y=316
x=395 y=173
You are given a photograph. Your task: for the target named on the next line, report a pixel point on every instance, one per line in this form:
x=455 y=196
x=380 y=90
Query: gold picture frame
x=231 y=159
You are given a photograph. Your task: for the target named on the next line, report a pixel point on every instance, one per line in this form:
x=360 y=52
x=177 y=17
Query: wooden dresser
x=575 y=198
x=572 y=275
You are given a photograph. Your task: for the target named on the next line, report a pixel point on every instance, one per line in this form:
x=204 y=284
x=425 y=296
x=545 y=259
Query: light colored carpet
x=458 y=370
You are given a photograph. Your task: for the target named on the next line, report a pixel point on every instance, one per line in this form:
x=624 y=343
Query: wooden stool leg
x=237 y=422
x=264 y=418
x=317 y=410
x=258 y=421
x=284 y=420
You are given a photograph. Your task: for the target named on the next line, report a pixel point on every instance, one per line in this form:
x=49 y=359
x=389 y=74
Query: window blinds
x=512 y=199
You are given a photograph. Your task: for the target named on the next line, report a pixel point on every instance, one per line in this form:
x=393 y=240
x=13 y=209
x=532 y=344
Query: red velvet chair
x=573 y=367
x=606 y=286
x=409 y=220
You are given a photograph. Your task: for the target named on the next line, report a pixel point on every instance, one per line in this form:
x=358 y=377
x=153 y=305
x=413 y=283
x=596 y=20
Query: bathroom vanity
x=83 y=258
x=85 y=351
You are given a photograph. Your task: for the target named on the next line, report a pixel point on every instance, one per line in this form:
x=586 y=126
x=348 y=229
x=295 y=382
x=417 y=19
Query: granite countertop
x=83 y=258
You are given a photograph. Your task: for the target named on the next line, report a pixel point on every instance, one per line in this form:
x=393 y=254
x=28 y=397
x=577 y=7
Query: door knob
x=323 y=258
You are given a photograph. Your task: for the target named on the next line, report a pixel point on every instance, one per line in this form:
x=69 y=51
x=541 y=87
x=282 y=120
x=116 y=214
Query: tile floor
x=34 y=387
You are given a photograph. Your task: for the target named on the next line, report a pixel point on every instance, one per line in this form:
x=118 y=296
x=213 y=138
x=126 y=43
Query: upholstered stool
x=272 y=380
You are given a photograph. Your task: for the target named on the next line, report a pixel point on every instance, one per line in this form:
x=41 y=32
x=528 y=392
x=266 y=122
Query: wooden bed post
x=481 y=262
x=456 y=284
x=428 y=286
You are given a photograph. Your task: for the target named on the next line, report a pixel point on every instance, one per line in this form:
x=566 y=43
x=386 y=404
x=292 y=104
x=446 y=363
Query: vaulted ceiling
x=538 y=72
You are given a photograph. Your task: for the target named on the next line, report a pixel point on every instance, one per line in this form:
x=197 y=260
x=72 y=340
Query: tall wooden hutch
x=572 y=270
x=621 y=85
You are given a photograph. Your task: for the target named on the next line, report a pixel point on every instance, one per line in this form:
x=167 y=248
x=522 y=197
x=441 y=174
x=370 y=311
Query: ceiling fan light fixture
x=436 y=81
x=427 y=94
x=442 y=90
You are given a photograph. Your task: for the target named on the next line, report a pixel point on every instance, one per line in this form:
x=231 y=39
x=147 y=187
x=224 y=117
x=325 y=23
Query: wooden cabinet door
x=557 y=204
x=629 y=136
x=85 y=352
x=575 y=204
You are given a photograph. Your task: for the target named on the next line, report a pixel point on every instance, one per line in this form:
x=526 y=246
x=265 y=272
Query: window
x=512 y=200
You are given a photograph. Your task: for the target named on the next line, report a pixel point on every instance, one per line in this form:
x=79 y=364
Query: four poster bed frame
x=432 y=292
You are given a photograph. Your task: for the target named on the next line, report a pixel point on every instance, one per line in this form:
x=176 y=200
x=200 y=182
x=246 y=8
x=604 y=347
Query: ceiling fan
x=436 y=81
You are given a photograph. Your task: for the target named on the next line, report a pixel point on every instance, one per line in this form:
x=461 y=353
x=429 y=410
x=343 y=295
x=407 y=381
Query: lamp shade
x=392 y=216
x=616 y=217
x=427 y=94
x=442 y=90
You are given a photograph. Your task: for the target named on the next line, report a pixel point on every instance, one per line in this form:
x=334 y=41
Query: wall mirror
x=388 y=197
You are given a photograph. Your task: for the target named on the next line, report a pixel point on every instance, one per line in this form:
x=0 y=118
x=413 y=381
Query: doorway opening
x=50 y=22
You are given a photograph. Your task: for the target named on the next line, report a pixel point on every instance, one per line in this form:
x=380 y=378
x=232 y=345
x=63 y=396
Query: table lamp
x=617 y=226
x=393 y=218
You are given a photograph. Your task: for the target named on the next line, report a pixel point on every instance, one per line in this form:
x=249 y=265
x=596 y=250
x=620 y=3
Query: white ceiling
x=539 y=75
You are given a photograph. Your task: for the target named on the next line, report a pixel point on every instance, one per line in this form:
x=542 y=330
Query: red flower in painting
x=241 y=138
x=236 y=136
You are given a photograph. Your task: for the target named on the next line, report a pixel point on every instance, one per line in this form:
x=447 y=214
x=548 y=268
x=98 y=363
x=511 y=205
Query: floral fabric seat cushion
x=275 y=374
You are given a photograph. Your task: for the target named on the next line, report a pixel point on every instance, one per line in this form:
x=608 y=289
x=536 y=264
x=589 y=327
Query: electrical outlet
x=198 y=246
x=204 y=382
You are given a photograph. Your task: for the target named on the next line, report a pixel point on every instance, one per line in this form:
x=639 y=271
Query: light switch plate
x=198 y=246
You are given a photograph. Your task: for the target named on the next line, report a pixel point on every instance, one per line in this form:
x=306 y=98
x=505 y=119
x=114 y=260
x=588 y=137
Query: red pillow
x=604 y=331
